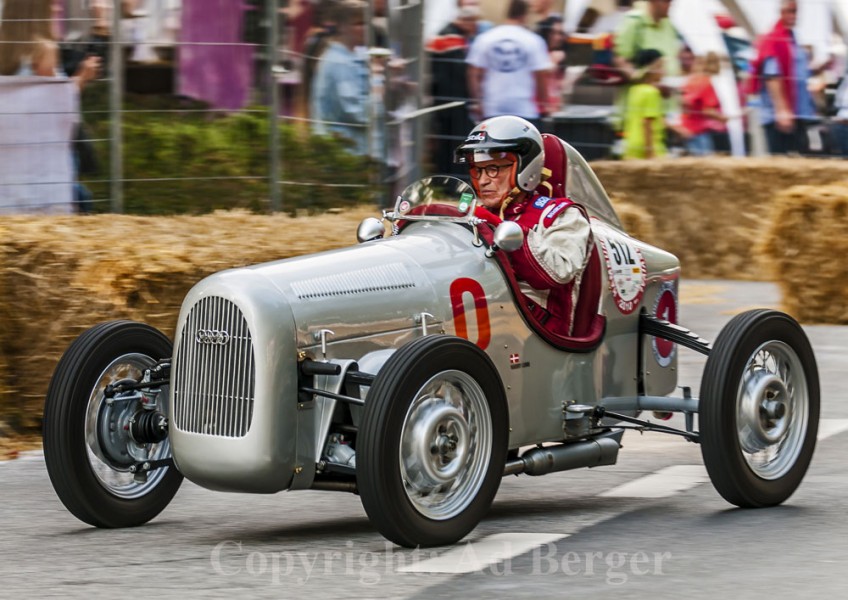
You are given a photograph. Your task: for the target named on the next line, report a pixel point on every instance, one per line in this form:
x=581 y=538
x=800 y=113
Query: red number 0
x=463 y=286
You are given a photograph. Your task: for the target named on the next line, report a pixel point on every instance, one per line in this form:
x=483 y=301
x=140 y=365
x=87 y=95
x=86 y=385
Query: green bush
x=180 y=158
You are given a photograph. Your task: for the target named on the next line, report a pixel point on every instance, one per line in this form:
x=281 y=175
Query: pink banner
x=215 y=65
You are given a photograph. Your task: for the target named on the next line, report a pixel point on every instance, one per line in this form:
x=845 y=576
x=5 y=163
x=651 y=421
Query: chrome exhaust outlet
x=598 y=451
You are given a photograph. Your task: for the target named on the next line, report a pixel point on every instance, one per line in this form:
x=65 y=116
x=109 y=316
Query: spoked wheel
x=759 y=409
x=431 y=450
x=93 y=445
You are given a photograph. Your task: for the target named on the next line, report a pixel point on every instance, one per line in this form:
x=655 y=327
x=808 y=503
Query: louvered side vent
x=214 y=372
x=382 y=278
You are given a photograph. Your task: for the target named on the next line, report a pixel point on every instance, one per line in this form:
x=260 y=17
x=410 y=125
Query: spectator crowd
x=664 y=95
x=489 y=59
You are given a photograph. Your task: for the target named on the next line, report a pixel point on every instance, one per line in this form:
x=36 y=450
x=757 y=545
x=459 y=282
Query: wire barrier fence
x=199 y=105
x=269 y=105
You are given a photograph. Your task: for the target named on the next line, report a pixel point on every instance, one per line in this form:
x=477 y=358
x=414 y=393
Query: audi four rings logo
x=212 y=337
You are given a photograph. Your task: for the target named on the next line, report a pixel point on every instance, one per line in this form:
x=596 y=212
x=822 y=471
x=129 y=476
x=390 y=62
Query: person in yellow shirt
x=644 y=122
x=646 y=26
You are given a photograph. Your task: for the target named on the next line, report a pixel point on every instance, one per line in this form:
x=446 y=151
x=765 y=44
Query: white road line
x=475 y=556
x=25 y=456
x=31 y=455
x=665 y=482
x=679 y=478
x=829 y=427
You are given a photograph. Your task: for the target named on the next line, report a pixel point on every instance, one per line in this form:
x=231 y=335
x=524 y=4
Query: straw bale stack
x=636 y=221
x=5 y=390
x=805 y=249
x=710 y=213
x=62 y=275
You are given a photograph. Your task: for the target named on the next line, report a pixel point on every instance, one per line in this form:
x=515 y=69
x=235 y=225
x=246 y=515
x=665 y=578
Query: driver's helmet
x=511 y=134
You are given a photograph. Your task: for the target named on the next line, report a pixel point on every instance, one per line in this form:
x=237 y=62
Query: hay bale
x=710 y=212
x=6 y=392
x=62 y=275
x=805 y=248
x=636 y=221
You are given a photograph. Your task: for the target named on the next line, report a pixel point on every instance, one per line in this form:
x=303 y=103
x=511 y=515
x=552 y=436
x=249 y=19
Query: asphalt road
x=586 y=533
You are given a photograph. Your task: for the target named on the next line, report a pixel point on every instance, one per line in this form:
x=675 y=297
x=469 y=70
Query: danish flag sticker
x=514 y=359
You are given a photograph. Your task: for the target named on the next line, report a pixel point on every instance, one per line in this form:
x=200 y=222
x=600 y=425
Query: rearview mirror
x=508 y=236
x=370 y=229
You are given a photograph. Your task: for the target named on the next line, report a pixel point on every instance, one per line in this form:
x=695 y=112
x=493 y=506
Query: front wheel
x=759 y=409
x=431 y=450
x=89 y=448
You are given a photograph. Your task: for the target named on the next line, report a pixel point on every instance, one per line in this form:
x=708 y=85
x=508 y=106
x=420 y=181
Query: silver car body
x=237 y=422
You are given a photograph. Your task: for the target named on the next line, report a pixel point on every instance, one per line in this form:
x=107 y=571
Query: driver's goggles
x=491 y=170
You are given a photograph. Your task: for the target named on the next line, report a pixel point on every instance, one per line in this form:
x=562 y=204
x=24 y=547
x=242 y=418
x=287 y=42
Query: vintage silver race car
x=409 y=370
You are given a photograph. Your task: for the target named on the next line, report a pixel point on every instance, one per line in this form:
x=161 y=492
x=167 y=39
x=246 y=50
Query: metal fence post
x=116 y=87
x=274 y=149
x=385 y=133
x=420 y=77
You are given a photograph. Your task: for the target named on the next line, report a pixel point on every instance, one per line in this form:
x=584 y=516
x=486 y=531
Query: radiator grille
x=214 y=371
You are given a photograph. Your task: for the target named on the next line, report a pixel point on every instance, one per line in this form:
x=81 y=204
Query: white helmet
x=507 y=134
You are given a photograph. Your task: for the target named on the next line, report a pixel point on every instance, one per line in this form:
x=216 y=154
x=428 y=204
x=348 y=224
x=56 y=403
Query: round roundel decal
x=626 y=271
x=665 y=308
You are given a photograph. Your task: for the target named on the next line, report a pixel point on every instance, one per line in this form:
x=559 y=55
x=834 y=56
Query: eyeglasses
x=491 y=170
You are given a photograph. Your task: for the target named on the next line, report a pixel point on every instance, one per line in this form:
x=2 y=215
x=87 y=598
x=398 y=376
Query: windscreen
x=437 y=198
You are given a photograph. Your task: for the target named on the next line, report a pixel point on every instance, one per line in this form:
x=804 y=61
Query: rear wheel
x=89 y=446
x=431 y=450
x=759 y=409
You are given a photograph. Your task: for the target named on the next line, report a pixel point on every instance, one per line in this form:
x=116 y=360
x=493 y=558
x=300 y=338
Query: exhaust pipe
x=598 y=451
x=335 y=486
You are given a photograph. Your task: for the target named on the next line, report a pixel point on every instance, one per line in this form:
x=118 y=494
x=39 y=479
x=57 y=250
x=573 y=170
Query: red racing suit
x=550 y=264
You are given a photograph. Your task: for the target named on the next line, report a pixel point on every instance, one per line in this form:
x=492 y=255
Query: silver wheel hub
x=109 y=444
x=772 y=410
x=445 y=445
x=441 y=441
x=766 y=410
x=114 y=429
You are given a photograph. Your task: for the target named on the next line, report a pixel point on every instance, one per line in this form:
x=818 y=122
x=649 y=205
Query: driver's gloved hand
x=481 y=212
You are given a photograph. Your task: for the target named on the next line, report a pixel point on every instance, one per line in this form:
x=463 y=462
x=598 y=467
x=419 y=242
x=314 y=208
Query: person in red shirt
x=701 y=106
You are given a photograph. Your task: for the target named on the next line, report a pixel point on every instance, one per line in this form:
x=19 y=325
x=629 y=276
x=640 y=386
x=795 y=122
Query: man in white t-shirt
x=508 y=68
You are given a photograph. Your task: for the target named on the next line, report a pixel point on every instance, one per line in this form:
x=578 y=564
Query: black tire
x=90 y=472
x=759 y=409
x=394 y=405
